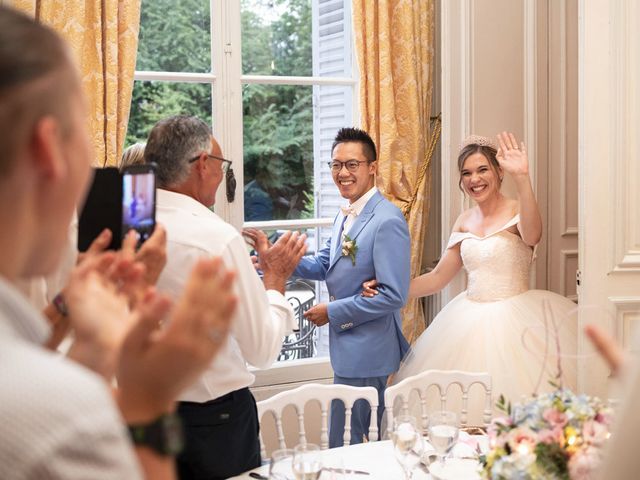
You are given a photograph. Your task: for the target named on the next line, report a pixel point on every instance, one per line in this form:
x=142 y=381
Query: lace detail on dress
x=497 y=265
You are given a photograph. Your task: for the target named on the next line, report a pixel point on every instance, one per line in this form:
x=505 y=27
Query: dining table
x=377 y=461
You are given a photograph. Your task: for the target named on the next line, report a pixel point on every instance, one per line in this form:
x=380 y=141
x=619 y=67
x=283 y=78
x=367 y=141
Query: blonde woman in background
x=132 y=155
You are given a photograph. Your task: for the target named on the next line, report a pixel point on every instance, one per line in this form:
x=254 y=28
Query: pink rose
x=495 y=438
x=549 y=436
x=595 y=433
x=583 y=465
x=554 y=417
x=522 y=439
x=604 y=417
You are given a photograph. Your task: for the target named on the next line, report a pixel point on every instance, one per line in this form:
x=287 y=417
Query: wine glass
x=407 y=443
x=307 y=464
x=443 y=432
x=281 y=466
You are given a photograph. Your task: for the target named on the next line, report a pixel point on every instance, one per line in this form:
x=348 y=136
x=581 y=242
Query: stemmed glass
x=281 y=466
x=443 y=433
x=407 y=443
x=307 y=464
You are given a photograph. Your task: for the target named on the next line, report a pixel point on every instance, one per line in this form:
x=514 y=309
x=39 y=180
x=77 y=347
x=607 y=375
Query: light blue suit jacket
x=365 y=338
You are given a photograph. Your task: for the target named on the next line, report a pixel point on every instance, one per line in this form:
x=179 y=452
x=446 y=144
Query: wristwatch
x=163 y=435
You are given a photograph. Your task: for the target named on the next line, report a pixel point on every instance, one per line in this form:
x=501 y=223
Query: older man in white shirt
x=218 y=411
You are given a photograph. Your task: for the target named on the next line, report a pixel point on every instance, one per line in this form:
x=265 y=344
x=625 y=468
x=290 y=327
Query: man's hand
x=318 y=314
x=158 y=362
x=370 y=288
x=258 y=240
x=277 y=261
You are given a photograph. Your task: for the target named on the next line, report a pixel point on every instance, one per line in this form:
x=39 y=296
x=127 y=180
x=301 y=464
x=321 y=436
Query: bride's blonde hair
x=478 y=144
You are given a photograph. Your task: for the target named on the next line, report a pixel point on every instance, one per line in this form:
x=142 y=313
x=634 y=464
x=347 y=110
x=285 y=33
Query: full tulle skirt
x=506 y=338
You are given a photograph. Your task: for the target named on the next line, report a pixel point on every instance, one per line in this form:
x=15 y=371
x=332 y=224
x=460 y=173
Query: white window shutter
x=332 y=57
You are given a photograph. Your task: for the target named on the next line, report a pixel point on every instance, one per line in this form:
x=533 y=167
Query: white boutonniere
x=349 y=249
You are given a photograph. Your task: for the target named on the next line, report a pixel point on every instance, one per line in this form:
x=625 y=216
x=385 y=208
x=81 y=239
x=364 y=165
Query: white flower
x=349 y=248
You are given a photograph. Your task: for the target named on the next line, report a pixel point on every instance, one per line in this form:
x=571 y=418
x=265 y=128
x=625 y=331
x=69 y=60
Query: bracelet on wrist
x=60 y=305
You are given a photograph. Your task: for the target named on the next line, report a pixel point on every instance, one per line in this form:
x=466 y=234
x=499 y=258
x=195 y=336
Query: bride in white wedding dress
x=497 y=325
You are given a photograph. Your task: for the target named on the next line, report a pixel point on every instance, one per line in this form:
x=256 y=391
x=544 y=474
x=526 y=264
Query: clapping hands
x=511 y=157
x=122 y=325
x=278 y=260
x=99 y=294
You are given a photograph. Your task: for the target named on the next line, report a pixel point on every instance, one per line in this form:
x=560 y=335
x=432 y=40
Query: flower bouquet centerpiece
x=557 y=435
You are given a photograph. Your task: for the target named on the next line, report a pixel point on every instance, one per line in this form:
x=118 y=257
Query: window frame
x=226 y=81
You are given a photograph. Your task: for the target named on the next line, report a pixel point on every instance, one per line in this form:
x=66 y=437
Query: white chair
x=323 y=394
x=443 y=379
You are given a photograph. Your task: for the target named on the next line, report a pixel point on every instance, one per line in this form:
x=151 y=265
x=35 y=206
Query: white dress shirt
x=356 y=208
x=261 y=320
x=58 y=419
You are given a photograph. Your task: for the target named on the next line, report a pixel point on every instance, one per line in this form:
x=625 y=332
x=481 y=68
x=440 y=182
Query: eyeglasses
x=226 y=164
x=352 y=165
x=229 y=176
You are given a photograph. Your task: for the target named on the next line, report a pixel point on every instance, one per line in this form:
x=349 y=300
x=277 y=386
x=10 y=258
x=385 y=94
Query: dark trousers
x=221 y=437
x=360 y=413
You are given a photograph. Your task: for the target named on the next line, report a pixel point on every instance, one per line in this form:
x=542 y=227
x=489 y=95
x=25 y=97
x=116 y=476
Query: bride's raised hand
x=511 y=157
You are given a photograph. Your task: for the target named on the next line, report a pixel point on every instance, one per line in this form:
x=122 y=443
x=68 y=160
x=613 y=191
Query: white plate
x=455 y=469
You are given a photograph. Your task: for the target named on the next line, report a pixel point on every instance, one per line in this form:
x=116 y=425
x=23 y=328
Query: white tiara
x=478 y=140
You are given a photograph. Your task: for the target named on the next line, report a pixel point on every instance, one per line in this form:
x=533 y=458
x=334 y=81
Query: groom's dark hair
x=351 y=134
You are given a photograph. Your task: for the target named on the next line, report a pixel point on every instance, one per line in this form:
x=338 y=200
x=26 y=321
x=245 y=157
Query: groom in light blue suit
x=370 y=239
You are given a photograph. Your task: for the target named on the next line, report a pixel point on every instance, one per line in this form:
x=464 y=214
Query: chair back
x=322 y=394
x=442 y=379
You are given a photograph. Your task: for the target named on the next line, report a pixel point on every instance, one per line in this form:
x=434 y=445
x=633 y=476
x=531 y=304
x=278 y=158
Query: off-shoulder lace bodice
x=497 y=265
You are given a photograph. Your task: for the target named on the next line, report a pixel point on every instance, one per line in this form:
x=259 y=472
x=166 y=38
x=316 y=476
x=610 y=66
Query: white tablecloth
x=377 y=458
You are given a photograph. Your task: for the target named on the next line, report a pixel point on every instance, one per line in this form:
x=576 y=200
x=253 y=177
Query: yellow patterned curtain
x=395 y=48
x=103 y=35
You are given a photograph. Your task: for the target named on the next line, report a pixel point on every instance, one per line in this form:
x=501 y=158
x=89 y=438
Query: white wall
x=609 y=147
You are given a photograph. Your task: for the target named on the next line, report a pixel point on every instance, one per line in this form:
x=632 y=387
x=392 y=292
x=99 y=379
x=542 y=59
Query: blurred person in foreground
x=59 y=419
x=218 y=411
x=621 y=459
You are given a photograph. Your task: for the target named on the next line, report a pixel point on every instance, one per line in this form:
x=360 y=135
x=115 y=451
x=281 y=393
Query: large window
x=276 y=80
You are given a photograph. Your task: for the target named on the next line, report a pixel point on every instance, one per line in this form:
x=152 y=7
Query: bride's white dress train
x=498 y=325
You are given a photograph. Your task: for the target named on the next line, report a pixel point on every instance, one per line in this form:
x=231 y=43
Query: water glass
x=281 y=466
x=307 y=464
x=443 y=432
x=407 y=443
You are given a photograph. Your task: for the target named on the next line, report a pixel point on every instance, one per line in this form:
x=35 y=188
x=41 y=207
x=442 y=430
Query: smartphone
x=102 y=209
x=139 y=200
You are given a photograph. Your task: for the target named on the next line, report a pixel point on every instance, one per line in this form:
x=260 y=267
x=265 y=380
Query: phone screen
x=139 y=201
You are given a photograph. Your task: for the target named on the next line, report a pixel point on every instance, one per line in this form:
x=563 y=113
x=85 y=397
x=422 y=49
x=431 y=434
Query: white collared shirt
x=262 y=318
x=357 y=207
x=59 y=420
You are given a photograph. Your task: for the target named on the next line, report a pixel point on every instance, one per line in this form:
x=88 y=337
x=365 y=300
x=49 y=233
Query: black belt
x=229 y=397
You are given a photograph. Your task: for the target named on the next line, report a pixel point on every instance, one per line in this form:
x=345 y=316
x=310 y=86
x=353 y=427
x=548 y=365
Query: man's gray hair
x=174 y=141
